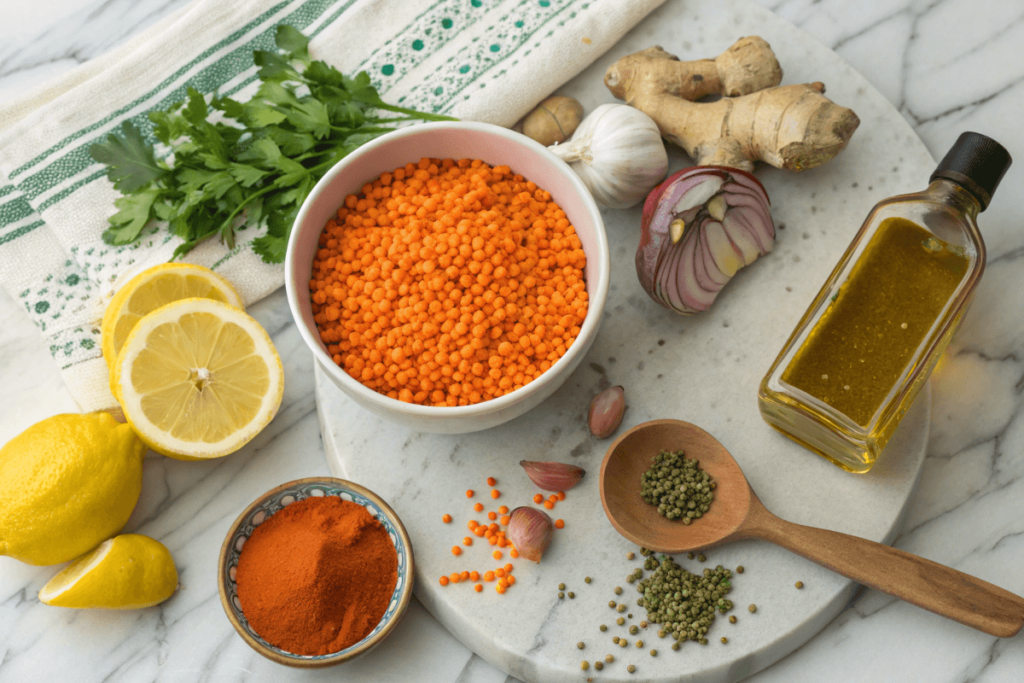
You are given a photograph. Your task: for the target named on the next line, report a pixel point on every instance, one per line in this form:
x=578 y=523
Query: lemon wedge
x=198 y=379
x=126 y=572
x=153 y=288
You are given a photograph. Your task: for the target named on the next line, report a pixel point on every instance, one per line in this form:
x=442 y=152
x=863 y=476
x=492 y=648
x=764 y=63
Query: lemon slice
x=125 y=572
x=198 y=379
x=153 y=288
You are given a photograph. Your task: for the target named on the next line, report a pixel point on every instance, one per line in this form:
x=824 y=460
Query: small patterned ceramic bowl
x=277 y=499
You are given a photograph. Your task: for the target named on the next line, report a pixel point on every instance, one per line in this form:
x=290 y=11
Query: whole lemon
x=67 y=484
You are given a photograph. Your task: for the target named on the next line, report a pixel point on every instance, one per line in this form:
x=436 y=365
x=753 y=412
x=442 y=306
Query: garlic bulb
x=618 y=153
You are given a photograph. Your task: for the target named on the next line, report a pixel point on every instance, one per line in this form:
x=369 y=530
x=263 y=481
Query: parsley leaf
x=130 y=162
x=255 y=162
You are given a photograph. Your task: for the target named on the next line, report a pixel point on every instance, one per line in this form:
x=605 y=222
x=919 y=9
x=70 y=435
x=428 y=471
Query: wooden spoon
x=738 y=514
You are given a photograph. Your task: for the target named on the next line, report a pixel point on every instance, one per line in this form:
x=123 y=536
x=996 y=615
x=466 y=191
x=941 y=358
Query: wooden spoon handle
x=935 y=587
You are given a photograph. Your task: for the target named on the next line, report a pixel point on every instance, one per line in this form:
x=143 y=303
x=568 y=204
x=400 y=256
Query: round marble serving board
x=702 y=369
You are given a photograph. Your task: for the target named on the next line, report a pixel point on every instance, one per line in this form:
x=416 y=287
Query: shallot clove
x=553 y=476
x=530 y=531
x=606 y=412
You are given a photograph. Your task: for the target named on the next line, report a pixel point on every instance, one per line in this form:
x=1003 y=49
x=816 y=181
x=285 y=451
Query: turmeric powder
x=447 y=283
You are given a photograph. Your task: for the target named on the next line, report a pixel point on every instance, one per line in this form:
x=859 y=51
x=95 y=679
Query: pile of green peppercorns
x=684 y=603
x=678 y=486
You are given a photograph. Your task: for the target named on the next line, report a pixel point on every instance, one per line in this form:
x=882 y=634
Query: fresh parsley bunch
x=257 y=164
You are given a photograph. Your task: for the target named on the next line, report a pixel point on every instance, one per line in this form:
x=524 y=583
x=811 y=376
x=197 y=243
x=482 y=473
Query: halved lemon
x=125 y=572
x=198 y=379
x=153 y=288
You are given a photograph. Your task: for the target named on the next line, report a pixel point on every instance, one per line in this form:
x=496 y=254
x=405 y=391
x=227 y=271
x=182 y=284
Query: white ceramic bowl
x=456 y=140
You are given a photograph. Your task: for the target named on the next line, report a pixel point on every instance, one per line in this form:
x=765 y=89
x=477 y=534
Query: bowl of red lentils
x=448 y=277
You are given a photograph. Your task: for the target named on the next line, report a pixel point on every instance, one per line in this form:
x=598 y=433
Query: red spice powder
x=317 y=576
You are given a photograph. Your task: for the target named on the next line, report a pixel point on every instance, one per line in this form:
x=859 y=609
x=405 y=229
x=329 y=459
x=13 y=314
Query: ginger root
x=793 y=127
x=746 y=67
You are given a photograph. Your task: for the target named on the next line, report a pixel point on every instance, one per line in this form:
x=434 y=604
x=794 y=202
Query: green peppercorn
x=615 y=640
x=724 y=640
x=732 y=619
x=617 y=590
x=603 y=627
x=611 y=603
x=620 y=621
x=677 y=487
x=633 y=630
x=561 y=595
x=584 y=665
x=586 y=579
x=675 y=645
x=571 y=595
x=654 y=653
x=643 y=624
x=739 y=569
x=598 y=665
x=752 y=608
x=701 y=558
x=620 y=608
x=609 y=658
x=561 y=586
x=799 y=584
x=640 y=643
x=630 y=668
x=623 y=642
x=630 y=556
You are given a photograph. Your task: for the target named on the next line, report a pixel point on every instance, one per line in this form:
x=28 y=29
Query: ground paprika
x=317 y=576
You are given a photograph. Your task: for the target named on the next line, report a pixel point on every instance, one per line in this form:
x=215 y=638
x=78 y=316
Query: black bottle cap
x=977 y=162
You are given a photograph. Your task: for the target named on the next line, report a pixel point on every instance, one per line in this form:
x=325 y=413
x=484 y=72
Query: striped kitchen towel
x=480 y=60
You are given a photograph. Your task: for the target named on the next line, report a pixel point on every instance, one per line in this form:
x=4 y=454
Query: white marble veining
x=947 y=66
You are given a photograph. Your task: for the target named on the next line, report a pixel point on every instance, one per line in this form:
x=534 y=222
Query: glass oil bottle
x=871 y=337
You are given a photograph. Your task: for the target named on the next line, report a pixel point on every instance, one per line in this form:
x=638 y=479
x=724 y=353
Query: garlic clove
x=553 y=476
x=530 y=531
x=676 y=229
x=606 y=412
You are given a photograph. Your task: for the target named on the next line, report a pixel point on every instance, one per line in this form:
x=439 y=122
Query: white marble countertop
x=946 y=66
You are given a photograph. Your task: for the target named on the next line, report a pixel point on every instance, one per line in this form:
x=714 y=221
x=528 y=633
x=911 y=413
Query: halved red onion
x=699 y=227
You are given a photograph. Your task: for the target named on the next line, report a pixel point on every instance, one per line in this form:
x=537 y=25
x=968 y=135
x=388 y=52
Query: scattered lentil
x=446 y=518
x=491 y=481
